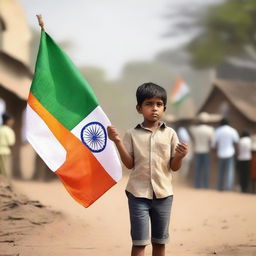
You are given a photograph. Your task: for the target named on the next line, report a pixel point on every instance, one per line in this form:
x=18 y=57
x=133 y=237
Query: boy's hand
x=113 y=134
x=181 y=150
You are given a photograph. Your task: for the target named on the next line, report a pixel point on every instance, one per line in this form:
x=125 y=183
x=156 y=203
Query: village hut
x=233 y=95
x=15 y=78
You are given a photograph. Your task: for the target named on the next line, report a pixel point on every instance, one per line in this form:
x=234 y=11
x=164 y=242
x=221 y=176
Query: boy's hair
x=150 y=90
x=6 y=117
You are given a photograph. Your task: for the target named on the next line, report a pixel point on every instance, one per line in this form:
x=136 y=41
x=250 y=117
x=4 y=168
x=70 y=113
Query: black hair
x=224 y=121
x=6 y=117
x=245 y=133
x=150 y=90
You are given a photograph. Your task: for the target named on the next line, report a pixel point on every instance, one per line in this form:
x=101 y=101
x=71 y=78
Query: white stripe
x=183 y=90
x=108 y=158
x=43 y=141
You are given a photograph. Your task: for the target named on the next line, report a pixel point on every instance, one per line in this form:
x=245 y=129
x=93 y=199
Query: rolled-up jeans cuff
x=140 y=242
x=160 y=241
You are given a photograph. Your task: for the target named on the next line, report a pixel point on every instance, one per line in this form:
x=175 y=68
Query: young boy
x=152 y=150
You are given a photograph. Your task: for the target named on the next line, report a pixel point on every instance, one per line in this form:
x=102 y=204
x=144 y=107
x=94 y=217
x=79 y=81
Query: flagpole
x=40 y=21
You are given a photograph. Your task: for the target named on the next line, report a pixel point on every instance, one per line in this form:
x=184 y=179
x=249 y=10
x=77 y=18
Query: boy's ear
x=138 y=107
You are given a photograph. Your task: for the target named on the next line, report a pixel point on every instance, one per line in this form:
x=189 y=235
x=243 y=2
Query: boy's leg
x=139 y=220
x=138 y=250
x=160 y=219
x=158 y=249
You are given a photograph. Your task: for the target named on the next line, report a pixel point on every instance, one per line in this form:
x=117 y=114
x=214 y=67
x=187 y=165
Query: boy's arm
x=180 y=152
x=126 y=158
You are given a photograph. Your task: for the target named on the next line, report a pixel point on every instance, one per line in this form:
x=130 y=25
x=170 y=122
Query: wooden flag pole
x=40 y=21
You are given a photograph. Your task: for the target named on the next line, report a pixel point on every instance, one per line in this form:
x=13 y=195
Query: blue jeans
x=202 y=161
x=226 y=173
x=142 y=212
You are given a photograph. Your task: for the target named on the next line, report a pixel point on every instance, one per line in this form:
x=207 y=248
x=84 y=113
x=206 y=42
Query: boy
x=7 y=139
x=151 y=149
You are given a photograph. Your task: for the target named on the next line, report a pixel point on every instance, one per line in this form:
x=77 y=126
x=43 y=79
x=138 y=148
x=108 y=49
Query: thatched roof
x=14 y=76
x=242 y=95
x=237 y=69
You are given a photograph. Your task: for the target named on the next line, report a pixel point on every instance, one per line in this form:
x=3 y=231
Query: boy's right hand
x=113 y=134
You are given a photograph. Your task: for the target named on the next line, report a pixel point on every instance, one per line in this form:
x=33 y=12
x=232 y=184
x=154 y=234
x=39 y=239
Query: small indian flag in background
x=67 y=127
x=179 y=91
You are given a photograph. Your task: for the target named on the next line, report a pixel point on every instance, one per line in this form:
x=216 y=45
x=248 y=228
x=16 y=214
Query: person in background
x=244 y=160
x=184 y=136
x=7 y=139
x=224 y=140
x=253 y=164
x=202 y=136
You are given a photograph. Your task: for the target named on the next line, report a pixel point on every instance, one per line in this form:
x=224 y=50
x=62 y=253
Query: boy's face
x=152 y=109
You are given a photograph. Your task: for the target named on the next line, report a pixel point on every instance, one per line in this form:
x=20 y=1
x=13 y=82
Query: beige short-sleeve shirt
x=152 y=152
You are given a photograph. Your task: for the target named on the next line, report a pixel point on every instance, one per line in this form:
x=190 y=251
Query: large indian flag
x=67 y=127
x=179 y=92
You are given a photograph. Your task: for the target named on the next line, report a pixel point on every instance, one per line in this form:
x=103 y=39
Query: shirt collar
x=162 y=125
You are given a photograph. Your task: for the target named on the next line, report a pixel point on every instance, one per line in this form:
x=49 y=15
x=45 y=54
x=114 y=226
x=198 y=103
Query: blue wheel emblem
x=94 y=136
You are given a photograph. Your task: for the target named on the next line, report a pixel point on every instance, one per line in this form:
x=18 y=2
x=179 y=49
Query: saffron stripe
x=81 y=174
x=42 y=139
x=177 y=86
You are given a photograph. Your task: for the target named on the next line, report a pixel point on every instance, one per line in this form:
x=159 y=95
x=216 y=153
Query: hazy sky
x=107 y=33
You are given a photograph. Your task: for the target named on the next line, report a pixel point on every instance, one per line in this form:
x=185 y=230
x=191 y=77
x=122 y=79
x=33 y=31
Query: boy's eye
x=158 y=104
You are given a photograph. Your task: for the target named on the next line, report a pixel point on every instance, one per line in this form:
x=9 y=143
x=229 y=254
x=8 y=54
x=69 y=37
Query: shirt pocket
x=163 y=150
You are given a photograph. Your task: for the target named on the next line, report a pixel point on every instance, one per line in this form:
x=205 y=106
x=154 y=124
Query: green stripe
x=59 y=86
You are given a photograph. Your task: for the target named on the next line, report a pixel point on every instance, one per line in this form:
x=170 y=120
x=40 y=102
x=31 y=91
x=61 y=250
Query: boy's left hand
x=181 y=150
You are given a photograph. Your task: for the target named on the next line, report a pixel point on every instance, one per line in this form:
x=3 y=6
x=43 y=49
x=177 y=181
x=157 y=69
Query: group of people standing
x=236 y=155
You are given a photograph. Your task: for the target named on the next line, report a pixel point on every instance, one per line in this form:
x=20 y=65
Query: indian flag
x=179 y=92
x=67 y=127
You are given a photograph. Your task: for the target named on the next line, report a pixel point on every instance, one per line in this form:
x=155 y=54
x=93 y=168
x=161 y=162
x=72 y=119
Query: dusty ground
x=203 y=223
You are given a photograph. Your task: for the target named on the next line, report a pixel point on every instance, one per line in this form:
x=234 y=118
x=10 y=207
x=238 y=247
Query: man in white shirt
x=202 y=137
x=184 y=136
x=244 y=158
x=224 y=140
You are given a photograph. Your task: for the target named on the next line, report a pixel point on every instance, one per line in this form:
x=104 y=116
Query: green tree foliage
x=228 y=29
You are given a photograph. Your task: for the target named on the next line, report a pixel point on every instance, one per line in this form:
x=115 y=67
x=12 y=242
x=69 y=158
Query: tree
x=224 y=30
